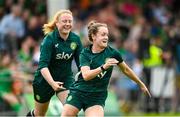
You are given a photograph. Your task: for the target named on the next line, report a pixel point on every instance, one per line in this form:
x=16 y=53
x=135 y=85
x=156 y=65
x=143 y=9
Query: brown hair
x=93 y=28
x=49 y=27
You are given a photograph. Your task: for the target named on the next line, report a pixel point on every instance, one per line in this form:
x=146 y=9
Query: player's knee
x=68 y=112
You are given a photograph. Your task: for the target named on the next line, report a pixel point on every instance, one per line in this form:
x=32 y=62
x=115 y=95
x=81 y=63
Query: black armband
x=102 y=68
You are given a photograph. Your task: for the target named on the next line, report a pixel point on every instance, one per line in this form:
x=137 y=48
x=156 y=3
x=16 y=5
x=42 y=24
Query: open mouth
x=67 y=27
x=105 y=41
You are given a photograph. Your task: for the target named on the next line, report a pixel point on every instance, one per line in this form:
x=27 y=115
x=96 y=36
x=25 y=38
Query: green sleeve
x=77 y=52
x=84 y=59
x=117 y=56
x=46 y=52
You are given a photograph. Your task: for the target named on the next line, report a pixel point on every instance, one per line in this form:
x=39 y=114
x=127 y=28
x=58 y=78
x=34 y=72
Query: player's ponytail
x=91 y=23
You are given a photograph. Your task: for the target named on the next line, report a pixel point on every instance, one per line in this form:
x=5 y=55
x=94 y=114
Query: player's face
x=65 y=23
x=101 y=38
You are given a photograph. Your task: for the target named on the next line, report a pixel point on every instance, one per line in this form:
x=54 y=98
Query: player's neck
x=64 y=35
x=96 y=49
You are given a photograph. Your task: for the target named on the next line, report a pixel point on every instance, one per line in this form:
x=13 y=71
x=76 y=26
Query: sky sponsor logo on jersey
x=63 y=56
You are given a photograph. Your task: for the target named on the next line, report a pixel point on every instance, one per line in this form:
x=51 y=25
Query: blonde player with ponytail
x=54 y=74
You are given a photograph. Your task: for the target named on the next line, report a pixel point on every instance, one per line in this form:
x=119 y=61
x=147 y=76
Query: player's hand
x=110 y=62
x=145 y=90
x=57 y=86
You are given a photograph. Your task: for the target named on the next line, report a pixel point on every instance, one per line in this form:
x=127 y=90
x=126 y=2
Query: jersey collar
x=90 y=49
x=58 y=35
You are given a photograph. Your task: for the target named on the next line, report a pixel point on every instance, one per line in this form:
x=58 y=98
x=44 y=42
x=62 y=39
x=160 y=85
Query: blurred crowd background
x=146 y=32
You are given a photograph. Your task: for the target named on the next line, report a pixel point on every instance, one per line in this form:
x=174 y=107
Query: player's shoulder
x=74 y=36
x=110 y=49
x=48 y=39
x=86 y=50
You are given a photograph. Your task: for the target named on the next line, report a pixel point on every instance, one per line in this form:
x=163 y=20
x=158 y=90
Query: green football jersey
x=95 y=60
x=57 y=55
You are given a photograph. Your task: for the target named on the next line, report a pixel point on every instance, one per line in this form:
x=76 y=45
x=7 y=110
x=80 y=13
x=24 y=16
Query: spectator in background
x=7 y=5
x=163 y=84
x=34 y=29
x=24 y=55
x=36 y=55
x=7 y=74
x=12 y=29
x=151 y=61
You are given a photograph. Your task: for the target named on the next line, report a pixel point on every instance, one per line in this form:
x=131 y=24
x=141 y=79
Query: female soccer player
x=54 y=74
x=89 y=91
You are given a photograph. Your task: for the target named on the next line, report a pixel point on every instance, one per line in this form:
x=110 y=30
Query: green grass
x=162 y=114
x=152 y=114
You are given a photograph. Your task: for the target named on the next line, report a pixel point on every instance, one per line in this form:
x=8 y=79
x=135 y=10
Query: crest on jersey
x=73 y=45
x=69 y=98
x=38 y=97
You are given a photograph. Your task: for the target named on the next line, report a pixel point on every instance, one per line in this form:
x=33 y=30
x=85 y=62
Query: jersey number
x=101 y=75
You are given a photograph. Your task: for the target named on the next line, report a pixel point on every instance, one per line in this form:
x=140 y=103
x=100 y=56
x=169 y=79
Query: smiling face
x=101 y=37
x=64 y=23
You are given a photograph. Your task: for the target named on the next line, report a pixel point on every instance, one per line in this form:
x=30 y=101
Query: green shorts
x=43 y=91
x=84 y=100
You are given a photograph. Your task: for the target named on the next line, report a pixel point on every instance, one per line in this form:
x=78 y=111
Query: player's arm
x=54 y=84
x=47 y=76
x=129 y=72
x=89 y=74
x=45 y=57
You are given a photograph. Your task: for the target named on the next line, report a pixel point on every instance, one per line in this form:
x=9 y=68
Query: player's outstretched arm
x=129 y=72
